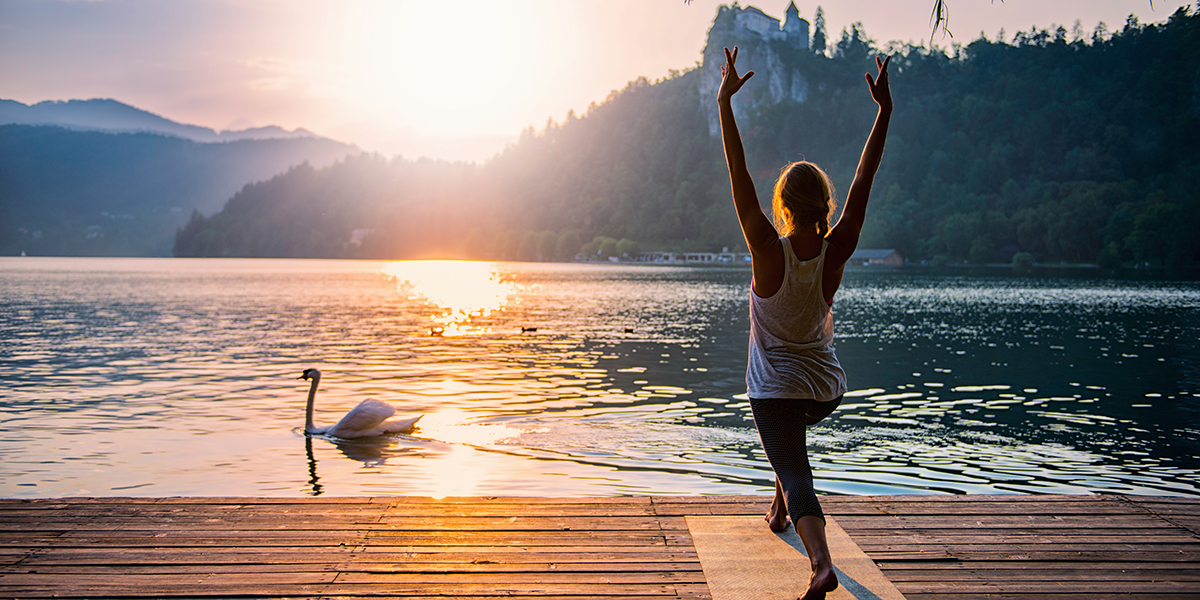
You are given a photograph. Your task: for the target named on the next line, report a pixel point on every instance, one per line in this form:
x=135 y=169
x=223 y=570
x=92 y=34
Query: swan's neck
x=308 y=411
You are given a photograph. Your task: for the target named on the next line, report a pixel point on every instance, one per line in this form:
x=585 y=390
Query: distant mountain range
x=103 y=114
x=102 y=178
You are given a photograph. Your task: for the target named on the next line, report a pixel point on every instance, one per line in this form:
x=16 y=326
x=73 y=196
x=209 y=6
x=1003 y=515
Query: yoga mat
x=743 y=559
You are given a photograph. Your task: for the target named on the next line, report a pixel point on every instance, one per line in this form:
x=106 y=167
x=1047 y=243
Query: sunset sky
x=454 y=80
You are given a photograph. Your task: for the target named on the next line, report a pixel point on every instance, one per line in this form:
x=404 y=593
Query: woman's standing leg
x=781 y=427
x=777 y=517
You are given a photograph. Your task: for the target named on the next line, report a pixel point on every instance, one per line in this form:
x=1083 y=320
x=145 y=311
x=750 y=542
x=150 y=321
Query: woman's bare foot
x=777 y=517
x=823 y=581
x=811 y=530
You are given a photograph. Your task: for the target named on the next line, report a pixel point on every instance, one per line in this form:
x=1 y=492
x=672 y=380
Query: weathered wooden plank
x=1052 y=537
x=1108 y=555
x=584 y=549
x=730 y=499
x=180 y=568
x=519 y=537
x=995 y=595
x=231 y=556
x=711 y=509
x=548 y=578
x=999 y=521
x=1047 y=587
x=1158 y=499
x=693 y=591
x=450 y=500
x=1059 y=574
x=205 y=589
x=982 y=509
x=1010 y=566
x=978 y=498
x=130 y=515
x=70 y=580
x=317 y=526
x=1192 y=524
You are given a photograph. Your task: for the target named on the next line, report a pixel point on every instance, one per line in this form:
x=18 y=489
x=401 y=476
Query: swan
x=369 y=418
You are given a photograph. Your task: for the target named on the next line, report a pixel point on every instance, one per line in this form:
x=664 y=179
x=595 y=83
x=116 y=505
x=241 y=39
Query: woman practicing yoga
x=793 y=376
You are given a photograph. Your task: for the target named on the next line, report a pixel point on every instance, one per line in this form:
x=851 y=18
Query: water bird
x=628 y=330
x=370 y=418
x=528 y=329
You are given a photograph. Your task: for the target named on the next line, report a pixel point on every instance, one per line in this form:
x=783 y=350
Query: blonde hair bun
x=803 y=198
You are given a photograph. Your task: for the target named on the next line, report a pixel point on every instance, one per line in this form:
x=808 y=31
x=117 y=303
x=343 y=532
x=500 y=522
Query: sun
x=461 y=68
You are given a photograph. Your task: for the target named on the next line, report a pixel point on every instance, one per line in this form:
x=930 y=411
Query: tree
x=941 y=18
x=568 y=246
x=547 y=242
x=818 y=39
x=628 y=248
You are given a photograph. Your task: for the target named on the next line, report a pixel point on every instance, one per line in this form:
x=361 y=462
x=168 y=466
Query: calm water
x=166 y=377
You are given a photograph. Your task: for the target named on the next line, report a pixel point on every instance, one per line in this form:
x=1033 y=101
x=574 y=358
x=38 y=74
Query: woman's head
x=803 y=199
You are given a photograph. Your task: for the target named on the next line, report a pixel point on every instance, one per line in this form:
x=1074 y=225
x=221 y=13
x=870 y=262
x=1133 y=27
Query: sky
x=454 y=80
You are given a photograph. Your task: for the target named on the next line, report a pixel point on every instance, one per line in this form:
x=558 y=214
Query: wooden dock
x=930 y=547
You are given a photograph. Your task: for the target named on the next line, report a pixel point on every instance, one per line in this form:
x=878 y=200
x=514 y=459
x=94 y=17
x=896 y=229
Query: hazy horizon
x=417 y=79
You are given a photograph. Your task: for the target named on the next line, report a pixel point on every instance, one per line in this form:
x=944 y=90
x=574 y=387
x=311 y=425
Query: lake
x=165 y=377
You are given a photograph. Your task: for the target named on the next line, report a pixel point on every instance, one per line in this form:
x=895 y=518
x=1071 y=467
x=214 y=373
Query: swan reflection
x=371 y=452
x=462 y=290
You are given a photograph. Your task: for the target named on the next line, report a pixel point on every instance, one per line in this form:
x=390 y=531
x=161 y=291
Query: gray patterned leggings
x=781 y=427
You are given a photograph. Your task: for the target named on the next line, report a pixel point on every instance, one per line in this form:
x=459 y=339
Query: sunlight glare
x=462 y=289
x=461 y=470
x=455 y=66
x=454 y=426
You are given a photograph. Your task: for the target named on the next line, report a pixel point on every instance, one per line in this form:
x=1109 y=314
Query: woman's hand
x=730 y=82
x=880 y=93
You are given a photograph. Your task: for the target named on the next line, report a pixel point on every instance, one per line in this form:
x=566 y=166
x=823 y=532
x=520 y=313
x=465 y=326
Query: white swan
x=369 y=418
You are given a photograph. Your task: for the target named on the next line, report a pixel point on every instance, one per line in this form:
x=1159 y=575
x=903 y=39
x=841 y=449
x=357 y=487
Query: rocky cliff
x=773 y=58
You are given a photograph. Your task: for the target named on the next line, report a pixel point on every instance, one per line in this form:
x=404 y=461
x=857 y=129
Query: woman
x=793 y=376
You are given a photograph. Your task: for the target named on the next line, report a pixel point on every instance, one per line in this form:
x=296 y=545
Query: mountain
x=110 y=115
x=97 y=193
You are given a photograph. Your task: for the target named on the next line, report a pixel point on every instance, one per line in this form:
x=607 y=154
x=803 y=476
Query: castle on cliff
x=773 y=51
x=794 y=29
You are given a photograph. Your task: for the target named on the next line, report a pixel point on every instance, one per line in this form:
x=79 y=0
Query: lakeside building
x=860 y=258
x=694 y=258
x=872 y=258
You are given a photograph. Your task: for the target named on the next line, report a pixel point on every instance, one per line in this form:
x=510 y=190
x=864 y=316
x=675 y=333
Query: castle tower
x=795 y=29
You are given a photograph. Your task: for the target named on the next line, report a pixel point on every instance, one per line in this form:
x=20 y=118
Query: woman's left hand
x=880 y=92
x=730 y=82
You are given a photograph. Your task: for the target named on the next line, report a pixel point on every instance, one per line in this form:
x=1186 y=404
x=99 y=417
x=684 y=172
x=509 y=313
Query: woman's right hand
x=730 y=82
x=880 y=92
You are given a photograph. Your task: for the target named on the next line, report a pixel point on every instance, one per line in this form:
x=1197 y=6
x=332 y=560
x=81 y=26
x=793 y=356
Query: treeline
x=1063 y=145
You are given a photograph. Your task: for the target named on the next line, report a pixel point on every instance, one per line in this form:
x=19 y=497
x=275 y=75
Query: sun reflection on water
x=455 y=426
x=463 y=290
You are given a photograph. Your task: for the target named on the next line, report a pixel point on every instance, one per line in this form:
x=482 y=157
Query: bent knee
x=819 y=410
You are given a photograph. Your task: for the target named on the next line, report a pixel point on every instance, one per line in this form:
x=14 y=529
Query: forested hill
x=1073 y=147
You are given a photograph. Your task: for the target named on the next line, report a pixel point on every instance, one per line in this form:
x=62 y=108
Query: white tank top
x=791 y=336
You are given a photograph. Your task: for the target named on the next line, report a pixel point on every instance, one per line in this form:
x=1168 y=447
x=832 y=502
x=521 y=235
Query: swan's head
x=310 y=374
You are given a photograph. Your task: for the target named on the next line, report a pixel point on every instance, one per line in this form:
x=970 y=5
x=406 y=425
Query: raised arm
x=761 y=237
x=843 y=239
